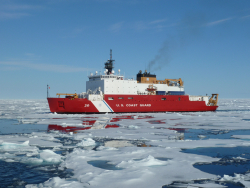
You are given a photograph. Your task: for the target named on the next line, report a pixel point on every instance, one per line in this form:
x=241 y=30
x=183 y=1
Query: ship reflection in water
x=105 y=123
x=94 y=123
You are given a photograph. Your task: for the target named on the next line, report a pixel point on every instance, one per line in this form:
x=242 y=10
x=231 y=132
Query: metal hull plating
x=129 y=103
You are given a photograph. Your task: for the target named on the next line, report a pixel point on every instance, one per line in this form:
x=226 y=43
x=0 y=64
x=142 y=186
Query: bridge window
x=130 y=97
x=110 y=98
x=120 y=98
x=163 y=99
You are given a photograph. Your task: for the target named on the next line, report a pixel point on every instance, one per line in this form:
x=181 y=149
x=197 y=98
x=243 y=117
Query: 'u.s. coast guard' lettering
x=133 y=105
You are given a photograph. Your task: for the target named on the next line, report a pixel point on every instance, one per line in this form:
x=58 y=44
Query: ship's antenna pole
x=47 y=90
x=110 y=54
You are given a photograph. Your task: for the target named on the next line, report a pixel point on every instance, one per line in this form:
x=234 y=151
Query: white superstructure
x=116 y=84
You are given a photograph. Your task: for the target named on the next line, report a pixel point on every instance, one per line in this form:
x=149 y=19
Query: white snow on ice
x=122 y=150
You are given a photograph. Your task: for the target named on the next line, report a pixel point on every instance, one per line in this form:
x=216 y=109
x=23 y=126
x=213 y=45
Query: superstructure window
x=163 y=99
x=130 y=97
x=110 y=98
x=120 y=98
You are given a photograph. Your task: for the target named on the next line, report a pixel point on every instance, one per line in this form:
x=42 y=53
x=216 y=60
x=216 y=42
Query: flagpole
x=47 y=90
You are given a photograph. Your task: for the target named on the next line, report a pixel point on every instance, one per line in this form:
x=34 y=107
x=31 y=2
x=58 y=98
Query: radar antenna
x=109 y=64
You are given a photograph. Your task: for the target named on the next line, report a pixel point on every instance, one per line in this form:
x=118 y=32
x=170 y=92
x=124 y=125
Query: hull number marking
x=86 y=105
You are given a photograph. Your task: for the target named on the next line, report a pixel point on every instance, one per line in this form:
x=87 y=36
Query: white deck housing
x=116 y=84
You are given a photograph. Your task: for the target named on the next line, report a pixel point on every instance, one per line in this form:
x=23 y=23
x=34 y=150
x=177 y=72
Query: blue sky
x=59 y=42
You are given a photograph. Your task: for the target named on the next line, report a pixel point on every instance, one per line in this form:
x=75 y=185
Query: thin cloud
x=12 y=15
x=15 y=11
x=158 y=21
x=116 y=27
x=218 y=22
x=73 y=33
x=11 y=65
x=157 y=25
x=18 y=7
x=139 y=26
x=245 y=17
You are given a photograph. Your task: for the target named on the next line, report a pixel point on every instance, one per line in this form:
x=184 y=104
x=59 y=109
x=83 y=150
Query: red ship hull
x=129 y=103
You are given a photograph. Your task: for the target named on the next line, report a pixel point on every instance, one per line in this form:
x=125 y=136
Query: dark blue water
x=193 y=134
x=15 y=174
x=228 y=164
x=11 y=126
x=199 y=183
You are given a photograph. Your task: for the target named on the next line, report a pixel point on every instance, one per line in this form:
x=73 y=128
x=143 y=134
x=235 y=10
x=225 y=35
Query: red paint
x=66 y=129
x=139 y=103
x=111 y=126
x=65 y=105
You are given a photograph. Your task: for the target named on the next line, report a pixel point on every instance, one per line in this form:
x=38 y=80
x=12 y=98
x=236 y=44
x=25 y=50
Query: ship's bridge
x=102 y=77
x=111 y=84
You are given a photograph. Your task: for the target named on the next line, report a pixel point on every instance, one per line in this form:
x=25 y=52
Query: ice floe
x=125 y=150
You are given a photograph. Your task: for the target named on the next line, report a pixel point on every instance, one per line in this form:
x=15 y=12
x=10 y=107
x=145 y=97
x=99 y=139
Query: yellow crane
x=213 y=100
x=168 y=81
x=74 y=96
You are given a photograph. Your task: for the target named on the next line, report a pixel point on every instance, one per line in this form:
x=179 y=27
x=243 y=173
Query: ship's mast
x=109 y=64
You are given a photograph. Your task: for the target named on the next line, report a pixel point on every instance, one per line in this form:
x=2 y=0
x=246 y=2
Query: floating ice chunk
x=57 y=182
x=206 y=185
x=133 y=127
x=118 y=143
x=80 y=136
x=31 y=153
x=201 y=136
x=10 y=160
x=8 y=145
x=87 y=142
x=100 y=148
x=244 y=179
x=240 y=158
x=237 y=177
x=50 y=156
x=26 y=143
x=33 y=161
x=241 y=136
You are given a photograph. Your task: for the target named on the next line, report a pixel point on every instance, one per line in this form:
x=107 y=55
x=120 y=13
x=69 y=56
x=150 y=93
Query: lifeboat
x=151 y=88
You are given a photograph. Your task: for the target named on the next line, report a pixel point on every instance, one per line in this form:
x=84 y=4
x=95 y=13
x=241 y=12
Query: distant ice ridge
x=12 y=109
x=148 y=161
